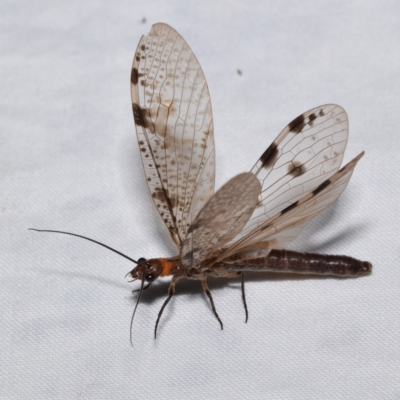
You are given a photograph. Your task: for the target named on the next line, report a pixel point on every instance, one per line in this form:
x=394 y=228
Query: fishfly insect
x=247 y=224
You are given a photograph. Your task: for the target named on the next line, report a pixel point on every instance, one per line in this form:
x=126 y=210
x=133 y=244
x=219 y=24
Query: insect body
x=246 y=225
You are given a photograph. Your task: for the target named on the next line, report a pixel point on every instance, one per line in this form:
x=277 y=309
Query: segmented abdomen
x=305 y=263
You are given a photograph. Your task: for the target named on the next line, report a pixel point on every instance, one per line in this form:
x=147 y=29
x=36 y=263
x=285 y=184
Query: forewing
x=221 y=219
x=307 y=152
x=174 y=126
x=282 y=226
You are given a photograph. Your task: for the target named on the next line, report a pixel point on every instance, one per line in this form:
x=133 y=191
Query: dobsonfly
x=247 y=224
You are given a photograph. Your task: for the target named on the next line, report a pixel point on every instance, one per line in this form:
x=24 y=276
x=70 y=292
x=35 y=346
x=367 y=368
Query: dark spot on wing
x=321 y=112
x=269 y=155
x=142 y=47
x=311 y=119
x=134 y=76
x=193 y=227
x=138 y=115
x=159 y=195
x=138 y=57
x=321 y=187
x=287 y=209
x=295 y=169
x=162 y=195
x=142 y=117
x=297 y=124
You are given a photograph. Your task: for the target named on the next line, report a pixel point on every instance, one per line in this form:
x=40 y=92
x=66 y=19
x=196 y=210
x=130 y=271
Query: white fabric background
x=69 y=161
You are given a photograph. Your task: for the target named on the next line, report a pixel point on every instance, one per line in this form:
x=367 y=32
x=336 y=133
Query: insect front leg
x=171 y=291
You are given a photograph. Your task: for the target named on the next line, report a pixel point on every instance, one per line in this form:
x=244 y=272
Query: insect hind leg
x=208 y=293
x=244 y=298
x=235 y=275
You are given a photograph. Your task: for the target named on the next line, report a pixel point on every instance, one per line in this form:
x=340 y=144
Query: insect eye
x=141 y=259
x=150 y=277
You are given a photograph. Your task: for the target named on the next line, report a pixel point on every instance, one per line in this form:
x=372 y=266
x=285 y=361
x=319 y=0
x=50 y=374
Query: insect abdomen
x=308 y=263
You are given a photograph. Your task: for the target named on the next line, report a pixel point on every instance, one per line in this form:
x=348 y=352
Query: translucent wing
x=273 y=232
x=221 y=219
x=307 y=152
x=174 y=125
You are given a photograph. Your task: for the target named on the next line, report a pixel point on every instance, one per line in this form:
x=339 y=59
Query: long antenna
x=134 y=311
x=84 y=237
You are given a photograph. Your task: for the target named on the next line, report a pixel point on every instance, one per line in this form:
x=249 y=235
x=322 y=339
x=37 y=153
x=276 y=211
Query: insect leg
x=208 y=293
x=244 y=298
x=171 y=291
x=235 y=275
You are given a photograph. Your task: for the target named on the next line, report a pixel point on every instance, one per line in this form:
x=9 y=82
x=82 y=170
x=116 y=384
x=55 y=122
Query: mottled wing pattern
x=307 y=152
x=221 y=219
x=174 y=125
x=275 y=231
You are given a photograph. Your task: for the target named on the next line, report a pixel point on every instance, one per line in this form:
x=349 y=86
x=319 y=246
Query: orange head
x=149 y=269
